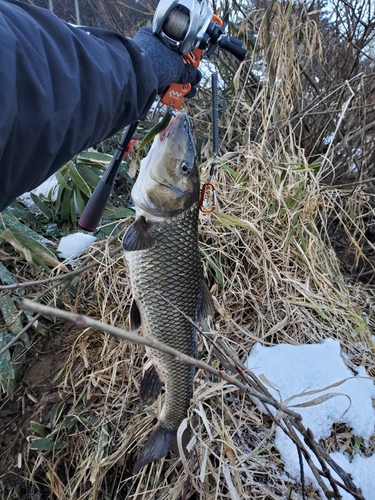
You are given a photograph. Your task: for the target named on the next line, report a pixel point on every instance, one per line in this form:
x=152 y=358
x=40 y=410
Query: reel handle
x=232 y=45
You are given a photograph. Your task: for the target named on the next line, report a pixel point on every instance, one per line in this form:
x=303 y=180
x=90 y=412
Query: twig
x=290 y=420
x=323 y=457
x=30 y=323
x=300 y=460
x=61 y=277
x=295 y=438
x=82 y=321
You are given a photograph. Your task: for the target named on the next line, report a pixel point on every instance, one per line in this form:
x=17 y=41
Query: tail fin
x=156 y=447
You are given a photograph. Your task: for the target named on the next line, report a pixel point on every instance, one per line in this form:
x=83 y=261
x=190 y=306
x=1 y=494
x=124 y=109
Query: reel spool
x=177 y=23
x=181 y=24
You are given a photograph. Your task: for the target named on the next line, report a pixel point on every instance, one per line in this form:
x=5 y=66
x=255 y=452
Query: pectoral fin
x=137 y=236
x=134 y=316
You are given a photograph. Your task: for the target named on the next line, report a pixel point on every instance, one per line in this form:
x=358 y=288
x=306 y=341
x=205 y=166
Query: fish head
x=168 y=181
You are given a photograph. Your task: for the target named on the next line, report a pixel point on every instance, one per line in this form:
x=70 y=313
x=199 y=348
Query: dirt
x=44 y=360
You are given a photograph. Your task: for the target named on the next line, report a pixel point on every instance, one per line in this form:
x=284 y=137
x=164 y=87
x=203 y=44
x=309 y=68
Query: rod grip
x=94 y=209
x=233 y=46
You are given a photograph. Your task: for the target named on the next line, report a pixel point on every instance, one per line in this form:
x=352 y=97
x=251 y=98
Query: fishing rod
x=188 y=27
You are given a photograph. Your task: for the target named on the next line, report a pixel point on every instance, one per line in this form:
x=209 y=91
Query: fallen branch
x=291 y=418
x=82 y=321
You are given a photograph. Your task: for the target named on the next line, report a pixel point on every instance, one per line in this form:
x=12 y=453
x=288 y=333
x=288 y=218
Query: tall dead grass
x=274 y=279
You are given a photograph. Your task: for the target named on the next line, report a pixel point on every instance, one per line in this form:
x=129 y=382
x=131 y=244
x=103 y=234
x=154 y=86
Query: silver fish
x=161 y=248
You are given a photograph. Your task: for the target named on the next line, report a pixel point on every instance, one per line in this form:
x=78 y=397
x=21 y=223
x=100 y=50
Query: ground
x=44 y=360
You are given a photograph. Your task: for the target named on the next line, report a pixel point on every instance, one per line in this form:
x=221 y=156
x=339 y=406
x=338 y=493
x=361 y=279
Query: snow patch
x=74 y=244
x=291 y=372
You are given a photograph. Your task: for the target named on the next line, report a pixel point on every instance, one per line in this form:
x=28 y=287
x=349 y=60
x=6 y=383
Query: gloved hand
x=167 y=64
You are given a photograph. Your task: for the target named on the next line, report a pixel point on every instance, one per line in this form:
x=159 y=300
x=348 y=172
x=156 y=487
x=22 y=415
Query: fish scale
x=161 y=248
x=171 y=269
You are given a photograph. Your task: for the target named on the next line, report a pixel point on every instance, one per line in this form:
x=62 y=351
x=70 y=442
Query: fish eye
x=185 y=168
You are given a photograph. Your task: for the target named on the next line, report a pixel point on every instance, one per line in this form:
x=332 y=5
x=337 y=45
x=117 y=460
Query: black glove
x=167 y=64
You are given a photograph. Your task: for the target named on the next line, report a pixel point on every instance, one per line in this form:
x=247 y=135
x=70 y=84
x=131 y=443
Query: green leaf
x=227 y=220
x=10 y=313
x=42 y=206
x=46 y=444
x=7 y=375
x=66 y=196
x=10 y=221
x=61 y=180
x=94 y=157
x=79 y=201
x=233 y=174
x=315 y=165
x=22 y=213
x=6 y=276
x=357 y=444
x=79 y=181
x=89 y=175
x=33 y=251
x=68 y=422
x=118 y=213
x=38 y=428
x=211 y=261
x=73 y=216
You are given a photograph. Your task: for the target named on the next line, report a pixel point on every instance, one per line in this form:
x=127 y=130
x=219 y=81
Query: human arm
x=63 y=89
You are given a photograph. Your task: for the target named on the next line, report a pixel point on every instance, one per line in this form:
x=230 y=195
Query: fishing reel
x=189 y=27
x=186 y=25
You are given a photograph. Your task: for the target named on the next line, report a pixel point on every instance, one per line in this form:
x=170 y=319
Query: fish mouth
x=171 y=187
x=166 y=132
x=176 y=120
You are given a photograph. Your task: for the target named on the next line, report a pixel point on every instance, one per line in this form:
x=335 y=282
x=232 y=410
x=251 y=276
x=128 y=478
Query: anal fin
x=151 y=384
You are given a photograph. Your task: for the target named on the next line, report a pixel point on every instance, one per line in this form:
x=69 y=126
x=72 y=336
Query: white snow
x=46 y=186
x=74 y=244
x=361 y=470
x=292 y=370
x=44 y=189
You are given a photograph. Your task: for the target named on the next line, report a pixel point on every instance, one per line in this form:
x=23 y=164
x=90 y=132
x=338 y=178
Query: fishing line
x=205 y=205
x=177 y=23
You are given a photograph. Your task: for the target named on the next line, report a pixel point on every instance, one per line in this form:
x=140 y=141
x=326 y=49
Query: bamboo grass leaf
x=42 y=206
x=33 y=251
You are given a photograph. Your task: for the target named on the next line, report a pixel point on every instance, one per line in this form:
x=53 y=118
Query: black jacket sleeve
x=62 y=90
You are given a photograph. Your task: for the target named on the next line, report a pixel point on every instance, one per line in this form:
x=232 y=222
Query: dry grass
x=274 y=279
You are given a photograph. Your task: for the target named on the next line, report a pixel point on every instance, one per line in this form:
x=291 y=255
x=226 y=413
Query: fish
x=162 y=253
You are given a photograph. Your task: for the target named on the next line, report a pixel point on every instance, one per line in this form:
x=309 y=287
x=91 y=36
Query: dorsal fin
x=137 y=236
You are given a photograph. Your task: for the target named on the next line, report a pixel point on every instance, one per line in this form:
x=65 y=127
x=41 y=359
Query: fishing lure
x=156 y=129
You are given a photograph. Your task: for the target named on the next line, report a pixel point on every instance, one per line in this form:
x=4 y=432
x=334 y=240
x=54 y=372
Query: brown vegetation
x=283 y=254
